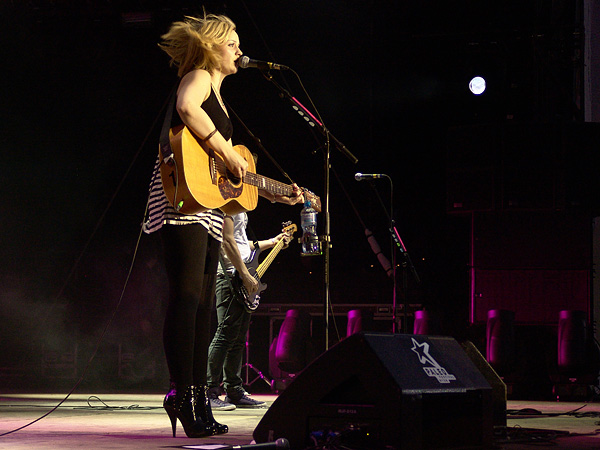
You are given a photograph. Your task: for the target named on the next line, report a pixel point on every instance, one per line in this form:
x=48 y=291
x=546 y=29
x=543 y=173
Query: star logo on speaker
x=430 y=366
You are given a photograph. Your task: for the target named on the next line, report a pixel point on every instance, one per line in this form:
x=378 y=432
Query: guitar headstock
x=289 y=228
x=315 y=200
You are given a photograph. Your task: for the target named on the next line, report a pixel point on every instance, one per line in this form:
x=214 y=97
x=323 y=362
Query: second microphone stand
x=326 y=239
x=398 y=246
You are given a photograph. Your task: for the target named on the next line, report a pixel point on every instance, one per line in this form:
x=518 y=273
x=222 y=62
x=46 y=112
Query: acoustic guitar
x=196 y=179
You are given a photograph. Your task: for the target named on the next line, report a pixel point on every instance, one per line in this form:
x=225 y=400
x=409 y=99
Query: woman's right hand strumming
x=236 y=164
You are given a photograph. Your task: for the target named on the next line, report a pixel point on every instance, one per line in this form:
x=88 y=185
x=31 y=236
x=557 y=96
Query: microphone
x=279 y=444
x=368 y=176
x=245 y=63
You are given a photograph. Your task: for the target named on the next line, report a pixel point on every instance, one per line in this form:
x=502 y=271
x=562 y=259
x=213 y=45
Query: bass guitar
x=251 y=301
x=196 y=179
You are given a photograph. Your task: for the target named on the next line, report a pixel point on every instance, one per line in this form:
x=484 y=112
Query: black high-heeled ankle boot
x=181 y=404
x=204 y=411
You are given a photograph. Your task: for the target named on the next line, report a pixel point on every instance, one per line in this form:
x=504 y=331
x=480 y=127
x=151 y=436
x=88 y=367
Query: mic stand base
x=259 y=376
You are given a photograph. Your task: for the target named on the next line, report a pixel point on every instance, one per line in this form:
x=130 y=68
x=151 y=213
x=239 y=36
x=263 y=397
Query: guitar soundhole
x=232 y=179
x=228 y=189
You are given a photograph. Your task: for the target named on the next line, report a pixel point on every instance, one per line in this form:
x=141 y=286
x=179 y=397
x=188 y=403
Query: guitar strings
x=262 y=267
x=269 y=259
x=258 y=180
x=266 y=183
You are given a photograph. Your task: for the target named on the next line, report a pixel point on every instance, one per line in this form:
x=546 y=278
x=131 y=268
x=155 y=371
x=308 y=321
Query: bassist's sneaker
x=216 y=404
x=245 y=402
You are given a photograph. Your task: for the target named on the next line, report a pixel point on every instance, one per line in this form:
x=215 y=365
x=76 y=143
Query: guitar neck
x=277 y=187
x=263 y=266
x=268 y=184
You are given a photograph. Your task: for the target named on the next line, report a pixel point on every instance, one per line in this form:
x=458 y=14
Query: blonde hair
x=192 y=43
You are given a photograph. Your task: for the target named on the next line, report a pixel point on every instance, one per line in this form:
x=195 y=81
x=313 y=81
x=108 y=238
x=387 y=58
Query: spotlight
x=354 y=322
x=477 y=85
x=421 y=325
x=500 y=334
x=572 y=342
x=292 y=342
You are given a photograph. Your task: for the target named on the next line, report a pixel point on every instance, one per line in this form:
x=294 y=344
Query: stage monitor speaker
x=382 y=390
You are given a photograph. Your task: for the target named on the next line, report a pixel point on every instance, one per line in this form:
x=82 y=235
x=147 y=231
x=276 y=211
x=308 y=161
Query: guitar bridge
x=212 y=163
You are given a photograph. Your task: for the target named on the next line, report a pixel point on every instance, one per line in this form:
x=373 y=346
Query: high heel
x=169 y=405
x=204 y=411
x=180 y=404
x=173 y=416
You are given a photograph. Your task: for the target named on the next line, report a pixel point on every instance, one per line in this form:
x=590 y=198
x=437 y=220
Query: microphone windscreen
x=244 y=60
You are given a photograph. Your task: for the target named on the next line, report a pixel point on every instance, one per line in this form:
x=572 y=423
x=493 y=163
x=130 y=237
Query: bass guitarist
x=226 y=350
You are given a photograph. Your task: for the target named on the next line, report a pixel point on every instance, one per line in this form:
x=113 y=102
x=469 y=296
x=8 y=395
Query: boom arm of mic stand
x=398 y=240
x=316 y=123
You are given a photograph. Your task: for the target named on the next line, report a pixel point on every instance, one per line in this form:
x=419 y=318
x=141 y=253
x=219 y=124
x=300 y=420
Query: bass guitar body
x=250 y=301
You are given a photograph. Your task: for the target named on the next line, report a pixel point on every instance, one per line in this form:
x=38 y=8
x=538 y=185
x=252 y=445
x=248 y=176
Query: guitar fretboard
x=260 y=181
x=263 y=266
x=267 y=184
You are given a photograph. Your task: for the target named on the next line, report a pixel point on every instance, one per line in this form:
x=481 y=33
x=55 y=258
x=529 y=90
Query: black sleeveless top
x=213 y=108
x=215 y=111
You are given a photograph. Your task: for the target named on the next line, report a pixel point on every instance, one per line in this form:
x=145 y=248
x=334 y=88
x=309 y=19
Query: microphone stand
x=310 y=118
x=326 y=239
x=407 y=262
x=397 y=244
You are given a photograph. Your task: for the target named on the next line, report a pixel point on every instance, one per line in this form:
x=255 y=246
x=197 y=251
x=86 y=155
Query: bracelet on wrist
x=209 y=135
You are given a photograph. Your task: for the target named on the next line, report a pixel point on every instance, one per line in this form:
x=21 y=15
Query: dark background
x=83 y=91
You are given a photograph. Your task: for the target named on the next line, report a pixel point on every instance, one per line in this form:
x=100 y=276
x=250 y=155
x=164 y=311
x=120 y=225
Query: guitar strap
x=164 y=142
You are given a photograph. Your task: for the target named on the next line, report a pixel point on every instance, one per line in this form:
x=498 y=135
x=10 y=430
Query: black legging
x=191 y=257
